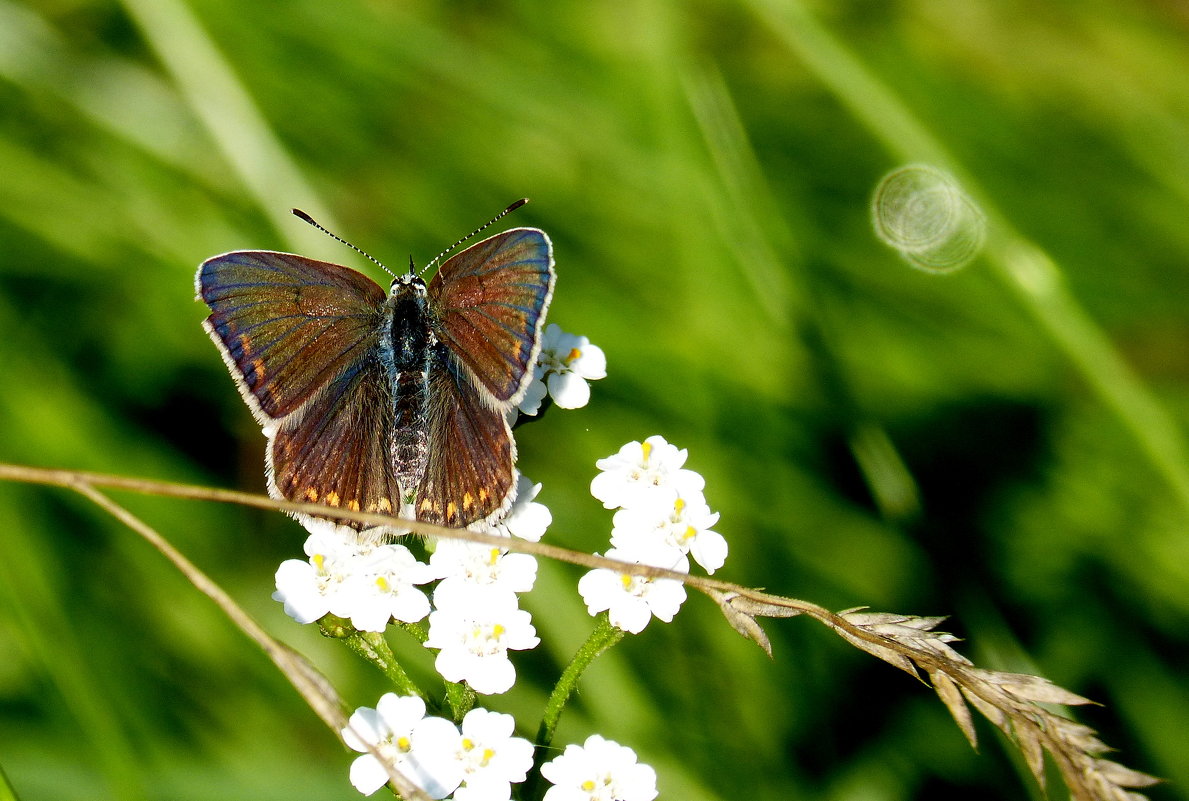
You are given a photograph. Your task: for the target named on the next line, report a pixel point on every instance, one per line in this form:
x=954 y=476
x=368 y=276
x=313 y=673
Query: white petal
x=482 y=788
x=400 y=712
x=592 y=364
x=610 y=488
x=665 y=598
x=432 y=763
x=567 y=793
x=709 y=550
x=452 y=664
x=409 y=606
x=367 y=774
x=569 y=390
x=371 y=616
x=297 y=588
x=530 y=404
x=364 y=726
x=630 y=614
x=599 y=589
x=492 y=676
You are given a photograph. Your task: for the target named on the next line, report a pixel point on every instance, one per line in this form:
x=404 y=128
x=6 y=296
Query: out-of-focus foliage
x=872 y=434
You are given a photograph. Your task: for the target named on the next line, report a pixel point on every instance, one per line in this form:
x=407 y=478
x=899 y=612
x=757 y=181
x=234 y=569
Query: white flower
x=526 y=519
x=475 y=627
x=599 y=770
x=566 y=362
x=420 y=747
x=642 y=473
x=363 y=581
x=311 y=589
x=492 y=758
x=385 y=588
x=682 y=524
x=630 y=600
x=472 y=563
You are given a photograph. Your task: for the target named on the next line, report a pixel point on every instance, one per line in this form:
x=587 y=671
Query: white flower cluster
x=482 y=759
x=565 y=364
x=478 y=763
x=663 y=518
x=474 y=620
x=476 y=617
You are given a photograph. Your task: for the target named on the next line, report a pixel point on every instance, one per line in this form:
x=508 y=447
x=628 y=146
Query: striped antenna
x=303 y=216
x=482 y=227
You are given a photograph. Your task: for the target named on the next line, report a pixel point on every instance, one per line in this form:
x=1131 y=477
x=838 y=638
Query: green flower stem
x=461 y=699
x=374 y=648
x=417 y=630
x=459 y=696
x=603 y=637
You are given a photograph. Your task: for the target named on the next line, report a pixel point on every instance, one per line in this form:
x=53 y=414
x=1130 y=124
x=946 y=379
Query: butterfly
x=391 y=402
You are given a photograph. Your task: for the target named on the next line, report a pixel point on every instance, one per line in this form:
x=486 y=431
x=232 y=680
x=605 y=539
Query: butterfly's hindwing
x=469 y=474
x=336 y=450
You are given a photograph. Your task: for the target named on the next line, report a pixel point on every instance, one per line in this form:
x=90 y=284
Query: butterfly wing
x=336 y=449
x=490 y=300
x=469 y=472
x=286 y=325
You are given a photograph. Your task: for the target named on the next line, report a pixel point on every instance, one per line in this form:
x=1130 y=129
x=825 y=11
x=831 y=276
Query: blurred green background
x=1003 y=444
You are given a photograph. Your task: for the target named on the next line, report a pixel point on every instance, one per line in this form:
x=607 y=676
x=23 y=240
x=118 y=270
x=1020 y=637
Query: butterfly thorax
x=407 y=343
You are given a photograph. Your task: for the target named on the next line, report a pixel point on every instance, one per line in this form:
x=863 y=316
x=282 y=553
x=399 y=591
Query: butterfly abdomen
x=406 y=346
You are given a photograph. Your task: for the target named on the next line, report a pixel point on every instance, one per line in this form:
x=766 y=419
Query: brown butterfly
x=390 y=402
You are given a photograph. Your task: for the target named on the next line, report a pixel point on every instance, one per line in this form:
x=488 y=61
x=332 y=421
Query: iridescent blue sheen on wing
x=491 y=300
x=287 y=324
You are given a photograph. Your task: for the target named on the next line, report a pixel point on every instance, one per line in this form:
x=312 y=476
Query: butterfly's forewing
x=335 y=450
x=286 y=325
x=469 y=474
x=491 y=300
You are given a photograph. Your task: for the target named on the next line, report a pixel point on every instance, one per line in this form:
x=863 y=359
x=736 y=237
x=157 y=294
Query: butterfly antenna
x=307 y=218
x=485 y=225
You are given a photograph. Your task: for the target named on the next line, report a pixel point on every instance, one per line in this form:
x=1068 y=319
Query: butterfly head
x=403 y=282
